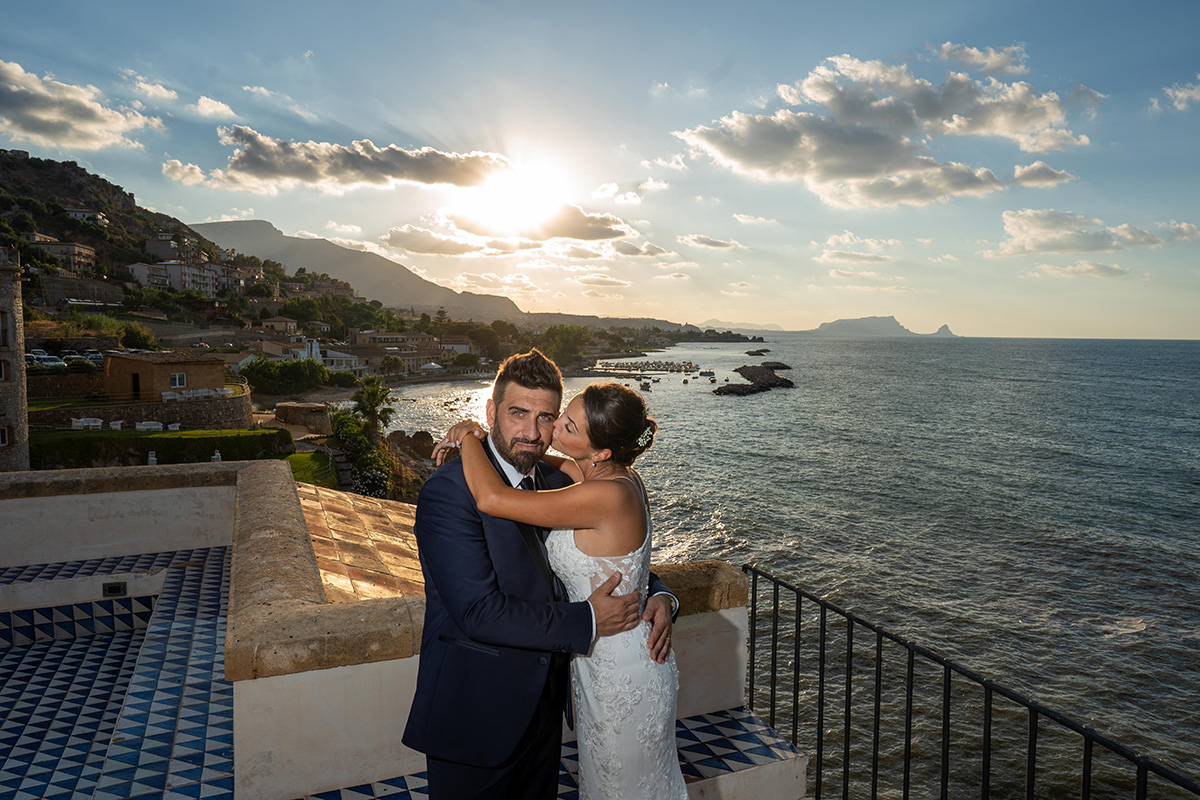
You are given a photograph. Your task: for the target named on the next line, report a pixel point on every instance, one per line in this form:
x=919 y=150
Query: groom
x=492 y=680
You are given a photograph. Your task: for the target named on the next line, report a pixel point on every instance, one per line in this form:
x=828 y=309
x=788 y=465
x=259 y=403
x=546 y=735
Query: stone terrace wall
x=225 y=413
x=71 y=385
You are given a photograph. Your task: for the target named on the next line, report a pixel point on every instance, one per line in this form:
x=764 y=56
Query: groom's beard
x=523 y=460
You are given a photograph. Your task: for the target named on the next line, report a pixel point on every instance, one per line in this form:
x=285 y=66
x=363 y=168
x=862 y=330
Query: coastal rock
x=774 y=365
x=762 y=375
x=740 y=389
x=762 y=378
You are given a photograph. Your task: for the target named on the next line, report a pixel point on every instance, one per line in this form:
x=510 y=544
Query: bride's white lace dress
x=624 y=701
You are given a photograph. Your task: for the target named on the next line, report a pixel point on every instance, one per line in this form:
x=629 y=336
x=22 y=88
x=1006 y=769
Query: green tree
x=371 y=403
x=564 y=342
x=466 y=360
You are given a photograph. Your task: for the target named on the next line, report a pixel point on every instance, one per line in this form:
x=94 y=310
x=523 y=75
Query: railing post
x=846 y=721
x=987 y=742
x=821 y=706
x=945 y=732
x=1031 y=755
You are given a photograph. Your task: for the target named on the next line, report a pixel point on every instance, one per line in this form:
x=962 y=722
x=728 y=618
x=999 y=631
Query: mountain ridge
x=370 y=274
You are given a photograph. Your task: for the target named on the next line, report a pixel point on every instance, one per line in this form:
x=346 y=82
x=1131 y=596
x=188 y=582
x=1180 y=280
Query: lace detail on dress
x=624 y=701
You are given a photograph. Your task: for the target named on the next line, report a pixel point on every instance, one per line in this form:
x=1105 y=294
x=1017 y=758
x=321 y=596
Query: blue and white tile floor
x=709 y=745
x=130 y=714
x=147 y=714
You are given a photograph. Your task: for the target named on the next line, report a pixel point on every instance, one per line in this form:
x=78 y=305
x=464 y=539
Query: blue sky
x=1011 y=169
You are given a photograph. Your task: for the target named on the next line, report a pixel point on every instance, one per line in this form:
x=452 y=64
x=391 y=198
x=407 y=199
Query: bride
x=624 y=699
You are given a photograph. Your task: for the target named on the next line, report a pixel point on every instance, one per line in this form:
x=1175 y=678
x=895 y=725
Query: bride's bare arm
x=583 y=505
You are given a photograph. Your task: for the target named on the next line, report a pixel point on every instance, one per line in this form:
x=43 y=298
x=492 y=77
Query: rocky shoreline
x=761 y=377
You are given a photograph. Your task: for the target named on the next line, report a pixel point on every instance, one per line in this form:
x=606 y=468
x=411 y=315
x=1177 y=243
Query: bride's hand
x=454 y=437
x=658 y=613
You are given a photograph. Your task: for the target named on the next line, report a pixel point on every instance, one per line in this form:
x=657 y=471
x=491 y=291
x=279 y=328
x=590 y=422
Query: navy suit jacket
x=491 y=625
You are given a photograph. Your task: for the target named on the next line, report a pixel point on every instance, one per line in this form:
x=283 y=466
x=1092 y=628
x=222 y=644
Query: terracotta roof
x=169 y=358
x=365 y=547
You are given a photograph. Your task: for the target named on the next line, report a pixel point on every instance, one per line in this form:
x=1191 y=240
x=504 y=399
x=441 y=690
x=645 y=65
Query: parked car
x=50 y=361
x=37 y=352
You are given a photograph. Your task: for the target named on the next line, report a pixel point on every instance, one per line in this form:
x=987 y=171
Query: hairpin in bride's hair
x=646 y=437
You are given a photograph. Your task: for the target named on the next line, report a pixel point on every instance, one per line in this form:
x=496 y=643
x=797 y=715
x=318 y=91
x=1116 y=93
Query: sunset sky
x=1009 y=169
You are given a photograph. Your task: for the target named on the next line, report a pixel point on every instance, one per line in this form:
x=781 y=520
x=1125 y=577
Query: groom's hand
x=614 y=614
x=658 y=611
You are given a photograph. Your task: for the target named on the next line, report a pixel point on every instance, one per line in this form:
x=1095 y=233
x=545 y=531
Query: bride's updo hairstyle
x=616 y=418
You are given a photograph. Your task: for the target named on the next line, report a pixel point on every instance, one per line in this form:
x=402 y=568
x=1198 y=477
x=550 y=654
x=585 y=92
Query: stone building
x=14 y=420
x=146 y=376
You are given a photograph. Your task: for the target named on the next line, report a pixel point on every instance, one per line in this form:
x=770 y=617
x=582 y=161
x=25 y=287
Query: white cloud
x=422 y=240
x=64 y=116
x=700 y=240
x=280 y=100
x=1180 y=231
x=665 y=265
x=675 y=162
x=1041 y=175
x=653 y=184
x=848 y=238
x=1089 y=98
x=1085 y=269
x=728 y=293
x=942 y=259
x=265 y=165
x=233 y=214
x=871 y=146
x=346 y=228
x=215 y=109
x=1183 y=95
x=543 y=263
x=1050 y=231
x=743 y=285
x=605 y=191
x=148 y=88
x=865 y=288
x=354 y=244
x=628 y=199
x=1007 y=61
x=627 y=248
x=600 y=280
x=492 y=283
x=596 y=295
x=851 y=257
x=674 y=276
x=746 y=219
x=659 y=88
x=845 y=274
x=834 y=253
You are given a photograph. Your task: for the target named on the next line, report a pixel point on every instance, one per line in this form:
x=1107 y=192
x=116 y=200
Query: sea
x=1029 y=508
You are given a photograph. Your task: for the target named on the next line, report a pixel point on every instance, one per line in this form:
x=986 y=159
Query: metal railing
x=898 y=718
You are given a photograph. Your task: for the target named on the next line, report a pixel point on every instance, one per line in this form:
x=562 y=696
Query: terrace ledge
x=280 y=622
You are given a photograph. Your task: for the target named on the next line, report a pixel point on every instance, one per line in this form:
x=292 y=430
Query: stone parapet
x=221 y=413
x=280 y=622
x=280 y=618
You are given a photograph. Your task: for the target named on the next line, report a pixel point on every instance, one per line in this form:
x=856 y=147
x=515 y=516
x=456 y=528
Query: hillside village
x=86 y=247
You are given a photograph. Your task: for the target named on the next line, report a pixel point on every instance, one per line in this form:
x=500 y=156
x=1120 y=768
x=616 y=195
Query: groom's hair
x=531 y=370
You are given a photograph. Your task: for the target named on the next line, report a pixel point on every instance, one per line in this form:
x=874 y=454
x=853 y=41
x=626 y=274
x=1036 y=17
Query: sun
x=517 y=199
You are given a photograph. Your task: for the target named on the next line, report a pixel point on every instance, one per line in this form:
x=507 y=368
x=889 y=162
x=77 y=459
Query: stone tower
x=14 y=413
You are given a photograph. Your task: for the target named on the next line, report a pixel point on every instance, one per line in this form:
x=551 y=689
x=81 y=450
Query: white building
x=178 y=275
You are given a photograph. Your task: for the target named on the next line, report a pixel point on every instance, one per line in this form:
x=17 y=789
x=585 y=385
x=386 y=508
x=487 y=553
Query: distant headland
x=873 y=326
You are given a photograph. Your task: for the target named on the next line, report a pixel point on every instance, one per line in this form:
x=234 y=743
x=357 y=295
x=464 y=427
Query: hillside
x=372 y=276
x=40 y=188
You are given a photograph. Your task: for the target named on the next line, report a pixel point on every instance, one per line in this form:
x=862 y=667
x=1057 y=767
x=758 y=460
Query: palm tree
x=371 y=403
